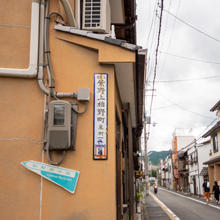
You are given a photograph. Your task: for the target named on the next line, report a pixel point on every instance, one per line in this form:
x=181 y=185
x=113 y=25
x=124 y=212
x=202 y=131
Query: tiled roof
x=204 y=171
x=212 y=130
x=101 y=37
x=215 y=106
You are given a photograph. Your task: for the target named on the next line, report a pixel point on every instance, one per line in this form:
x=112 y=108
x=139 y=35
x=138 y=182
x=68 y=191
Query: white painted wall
x=195 y=168
x=203 y=155
x=183 y=141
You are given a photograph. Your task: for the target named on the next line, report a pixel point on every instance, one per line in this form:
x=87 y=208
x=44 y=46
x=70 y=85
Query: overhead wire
x=192 y=26
x=186 y=80
x=156 y=55
x=152 y=22
x=174 y=22
x=155 y=61
x=166 y=31
x=165 y=26
x=185 y=109
x=151 y=42
x=176 y=9
x=162 y=107
x=198 y=138
x=189 y=58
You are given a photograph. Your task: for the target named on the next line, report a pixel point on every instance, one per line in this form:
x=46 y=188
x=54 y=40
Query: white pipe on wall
x=31 y=71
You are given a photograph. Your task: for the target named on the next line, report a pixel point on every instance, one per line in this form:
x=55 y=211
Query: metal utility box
x=59 y=125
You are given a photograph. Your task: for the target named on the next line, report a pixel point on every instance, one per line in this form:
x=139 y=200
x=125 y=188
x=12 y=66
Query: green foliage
x=139 y=195
x=156 y=156
x=141 y=188
x=153 y=173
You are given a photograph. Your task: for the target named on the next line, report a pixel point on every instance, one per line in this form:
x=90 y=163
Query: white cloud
x=194 y=96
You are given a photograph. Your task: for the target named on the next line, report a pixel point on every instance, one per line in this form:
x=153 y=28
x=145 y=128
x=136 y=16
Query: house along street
x=187 y=208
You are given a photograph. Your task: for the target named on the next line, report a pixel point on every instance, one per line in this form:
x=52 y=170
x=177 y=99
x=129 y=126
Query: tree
x=154 y=173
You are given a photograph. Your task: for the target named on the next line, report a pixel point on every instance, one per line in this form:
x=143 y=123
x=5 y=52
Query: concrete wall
x=211 y=175
x=183 y=141
x=203 y=155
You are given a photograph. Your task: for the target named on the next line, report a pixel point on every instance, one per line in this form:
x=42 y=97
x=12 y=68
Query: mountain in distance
x=156 y=156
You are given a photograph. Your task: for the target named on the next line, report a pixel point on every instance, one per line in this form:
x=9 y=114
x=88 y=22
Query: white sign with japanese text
x=100 y=124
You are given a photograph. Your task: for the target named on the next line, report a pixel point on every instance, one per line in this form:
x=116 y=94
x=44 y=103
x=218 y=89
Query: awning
x=204 y=171
x=213 y=160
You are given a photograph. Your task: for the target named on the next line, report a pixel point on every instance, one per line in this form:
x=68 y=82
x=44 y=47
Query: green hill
x=156 y=156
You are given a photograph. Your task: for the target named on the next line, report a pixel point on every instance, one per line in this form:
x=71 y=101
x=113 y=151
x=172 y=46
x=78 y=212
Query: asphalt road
x=187 y=209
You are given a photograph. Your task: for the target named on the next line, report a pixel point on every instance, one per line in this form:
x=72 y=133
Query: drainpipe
x=31 y=71
x=41 y=49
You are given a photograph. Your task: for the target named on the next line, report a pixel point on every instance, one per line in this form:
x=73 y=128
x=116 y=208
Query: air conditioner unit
x=96 y=16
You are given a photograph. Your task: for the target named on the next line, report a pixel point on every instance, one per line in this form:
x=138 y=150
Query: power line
x=165 y=21
x=151 y=42
x=199 y=136
x=174 y=23
x=162 y=107
x=156 y=60
x=151 y=25
x=163 y=62
x=185 y=109
x=189 y=58
x=186 y=80
x=193 y=27
x=156 y=55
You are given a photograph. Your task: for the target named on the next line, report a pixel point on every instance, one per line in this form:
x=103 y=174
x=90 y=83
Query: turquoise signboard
x=63 y=177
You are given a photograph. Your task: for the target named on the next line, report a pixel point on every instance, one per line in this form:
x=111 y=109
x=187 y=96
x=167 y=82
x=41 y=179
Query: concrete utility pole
x=146 y=156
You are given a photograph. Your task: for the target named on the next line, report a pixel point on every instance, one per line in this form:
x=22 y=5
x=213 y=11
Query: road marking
x=191 y=199
x=171 y=215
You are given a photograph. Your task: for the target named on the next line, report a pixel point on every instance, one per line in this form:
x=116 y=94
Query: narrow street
x=186 y=208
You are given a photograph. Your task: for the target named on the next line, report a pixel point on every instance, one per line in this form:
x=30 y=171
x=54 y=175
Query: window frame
x=215 y=143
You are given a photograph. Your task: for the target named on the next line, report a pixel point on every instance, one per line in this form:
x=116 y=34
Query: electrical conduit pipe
x=69 y=13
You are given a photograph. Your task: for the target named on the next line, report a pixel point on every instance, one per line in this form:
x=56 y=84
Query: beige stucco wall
x=21 y=117
x=15 y=33
x=23 y=195
x=75 y=67
x=217 y=172
x=211 y=175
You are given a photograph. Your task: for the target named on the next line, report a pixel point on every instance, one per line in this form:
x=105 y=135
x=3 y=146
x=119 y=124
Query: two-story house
x=180 y=143
x=214 y=159
x=197 y=155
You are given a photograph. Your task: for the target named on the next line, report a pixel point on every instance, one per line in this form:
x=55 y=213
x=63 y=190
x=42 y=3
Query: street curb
x=191 y=198
x=171 y=215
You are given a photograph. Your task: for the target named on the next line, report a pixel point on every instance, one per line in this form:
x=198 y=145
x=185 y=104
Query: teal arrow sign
x=63 y=177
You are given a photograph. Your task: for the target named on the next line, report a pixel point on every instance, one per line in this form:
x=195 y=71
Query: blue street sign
x=63 y=177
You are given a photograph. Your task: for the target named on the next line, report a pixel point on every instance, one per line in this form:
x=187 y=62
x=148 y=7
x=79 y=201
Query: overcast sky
x=184 y=104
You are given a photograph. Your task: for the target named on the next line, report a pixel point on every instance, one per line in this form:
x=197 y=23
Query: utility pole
x=146 y=156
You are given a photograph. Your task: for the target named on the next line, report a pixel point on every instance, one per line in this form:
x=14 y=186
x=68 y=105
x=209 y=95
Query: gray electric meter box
x=59 y=125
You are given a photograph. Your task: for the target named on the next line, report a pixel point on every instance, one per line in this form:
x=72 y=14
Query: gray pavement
x=152 y=211
x=187 y=209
